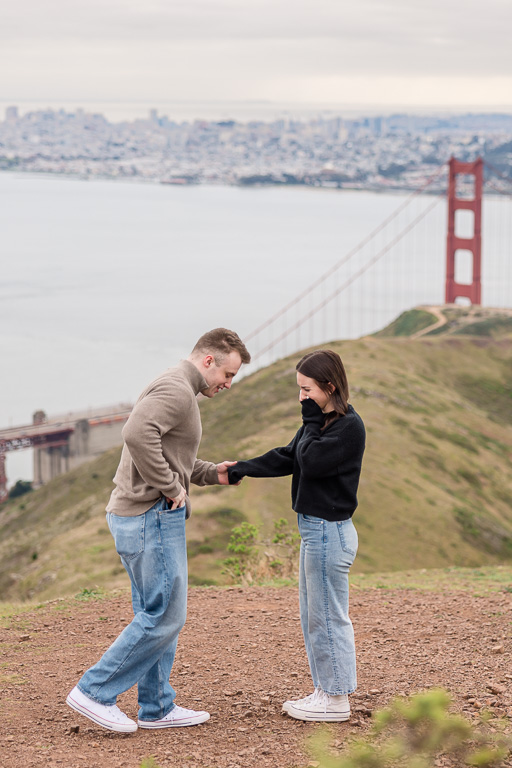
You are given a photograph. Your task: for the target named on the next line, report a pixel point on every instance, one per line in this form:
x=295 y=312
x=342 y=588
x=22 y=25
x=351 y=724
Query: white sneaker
x=109 y=717
x=177 y=717
x=301 y=702
x=322 y=707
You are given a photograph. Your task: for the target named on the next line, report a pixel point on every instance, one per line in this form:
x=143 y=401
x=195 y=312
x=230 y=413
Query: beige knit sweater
x=161 y=438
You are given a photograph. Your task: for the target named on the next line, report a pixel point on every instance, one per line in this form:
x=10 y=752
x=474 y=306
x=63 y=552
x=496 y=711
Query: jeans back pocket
x=128 y=533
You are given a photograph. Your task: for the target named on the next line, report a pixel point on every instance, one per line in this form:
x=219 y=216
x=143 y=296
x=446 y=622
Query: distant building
x=11 y=114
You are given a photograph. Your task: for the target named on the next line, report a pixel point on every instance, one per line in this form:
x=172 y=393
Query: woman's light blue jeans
x=153 y=550
x=327 y=551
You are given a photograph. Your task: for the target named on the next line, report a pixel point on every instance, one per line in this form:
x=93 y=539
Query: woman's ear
x=332 y=388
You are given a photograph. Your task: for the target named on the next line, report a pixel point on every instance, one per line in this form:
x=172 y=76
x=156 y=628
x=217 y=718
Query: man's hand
x=222 y=472
x=179 y=500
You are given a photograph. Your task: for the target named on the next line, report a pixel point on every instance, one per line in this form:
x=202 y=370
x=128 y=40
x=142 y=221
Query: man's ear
x=208 y=361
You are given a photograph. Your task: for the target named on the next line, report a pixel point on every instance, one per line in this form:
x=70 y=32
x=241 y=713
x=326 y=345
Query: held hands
x=222 y=472
x=311 y=412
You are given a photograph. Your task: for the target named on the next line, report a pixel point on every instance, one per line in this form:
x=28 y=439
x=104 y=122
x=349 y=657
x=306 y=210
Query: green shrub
x=288 y=544
x=19 y=488
x=243 y=545
x=413 y=733
x=149 y=762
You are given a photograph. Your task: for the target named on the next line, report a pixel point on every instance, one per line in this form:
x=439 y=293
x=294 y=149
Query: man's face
x=220 y=376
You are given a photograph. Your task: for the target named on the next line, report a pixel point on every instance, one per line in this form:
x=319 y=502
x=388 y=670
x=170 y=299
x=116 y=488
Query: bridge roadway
x=54 y=432
x=66 y=422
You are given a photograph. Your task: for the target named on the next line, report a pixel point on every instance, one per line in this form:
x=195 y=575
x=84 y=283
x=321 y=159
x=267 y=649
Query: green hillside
x=436 y=488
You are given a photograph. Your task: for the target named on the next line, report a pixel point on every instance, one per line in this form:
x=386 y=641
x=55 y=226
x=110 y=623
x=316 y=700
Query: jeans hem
x=156 y=720
x=340 y=693
x=93 y=698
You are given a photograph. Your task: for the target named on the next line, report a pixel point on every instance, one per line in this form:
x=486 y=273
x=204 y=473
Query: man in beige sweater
x=146 y=515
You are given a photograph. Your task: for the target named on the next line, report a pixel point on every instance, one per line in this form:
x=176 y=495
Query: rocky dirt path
x=240 y=655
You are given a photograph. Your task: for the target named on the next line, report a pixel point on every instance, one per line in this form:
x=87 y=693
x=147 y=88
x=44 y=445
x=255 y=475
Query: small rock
x=375 y=691
x=497 y=649
x=73 y=729
x=23 y=638
x=363 y=710
x=495 y=688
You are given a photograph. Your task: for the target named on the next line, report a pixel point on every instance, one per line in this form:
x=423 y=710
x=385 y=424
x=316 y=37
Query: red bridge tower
x=473 y=290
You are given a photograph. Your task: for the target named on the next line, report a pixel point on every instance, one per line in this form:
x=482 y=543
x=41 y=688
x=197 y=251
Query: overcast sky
x=383 y=52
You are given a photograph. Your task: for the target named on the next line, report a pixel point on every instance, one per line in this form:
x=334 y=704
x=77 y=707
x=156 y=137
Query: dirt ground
x=240 y=656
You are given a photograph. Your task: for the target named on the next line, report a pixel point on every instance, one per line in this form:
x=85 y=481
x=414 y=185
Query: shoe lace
x=116 y=713
x=323 y=699
x=180 y=711
x=311 y=698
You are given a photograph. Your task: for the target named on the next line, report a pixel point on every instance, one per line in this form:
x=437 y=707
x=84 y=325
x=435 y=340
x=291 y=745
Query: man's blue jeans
x=327 y=551
x=153 y=550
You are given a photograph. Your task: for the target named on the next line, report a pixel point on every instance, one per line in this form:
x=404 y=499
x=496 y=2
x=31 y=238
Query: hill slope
x=436 y=488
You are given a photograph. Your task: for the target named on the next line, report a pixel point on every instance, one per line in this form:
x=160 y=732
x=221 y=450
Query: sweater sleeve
x=275 y=463
x=204 y=473
x=321 y=453
x=152 y=417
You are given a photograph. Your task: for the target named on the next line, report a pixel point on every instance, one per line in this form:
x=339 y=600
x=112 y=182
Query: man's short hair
x=219 y=343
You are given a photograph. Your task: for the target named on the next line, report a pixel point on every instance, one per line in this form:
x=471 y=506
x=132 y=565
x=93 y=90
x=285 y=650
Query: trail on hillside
x=240 y=656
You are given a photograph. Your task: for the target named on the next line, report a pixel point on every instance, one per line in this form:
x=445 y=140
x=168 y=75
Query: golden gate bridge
x=394 y=265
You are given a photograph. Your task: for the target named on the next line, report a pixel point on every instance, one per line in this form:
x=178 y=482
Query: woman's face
x=309 y=388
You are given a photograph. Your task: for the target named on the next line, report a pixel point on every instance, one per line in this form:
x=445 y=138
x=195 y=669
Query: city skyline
x=444 y=55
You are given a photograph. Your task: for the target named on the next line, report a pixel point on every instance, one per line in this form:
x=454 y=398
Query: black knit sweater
x=325 y=464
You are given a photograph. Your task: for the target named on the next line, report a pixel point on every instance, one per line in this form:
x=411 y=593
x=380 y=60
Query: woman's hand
x=311 y=412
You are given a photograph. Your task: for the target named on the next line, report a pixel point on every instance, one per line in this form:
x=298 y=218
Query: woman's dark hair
x=326 y=368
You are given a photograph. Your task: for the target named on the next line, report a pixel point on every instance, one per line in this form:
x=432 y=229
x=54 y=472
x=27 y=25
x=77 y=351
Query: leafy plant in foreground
x=288 y=543
x=413 y=733
x=249 y=563
x=243 y=545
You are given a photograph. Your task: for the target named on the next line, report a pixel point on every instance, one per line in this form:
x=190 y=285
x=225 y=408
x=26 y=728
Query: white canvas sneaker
x=322 y=707
x=109 y=717
x=176 y=718
x=300 y=702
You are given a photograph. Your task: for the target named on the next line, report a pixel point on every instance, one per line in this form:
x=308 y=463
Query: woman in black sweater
x=324 y=459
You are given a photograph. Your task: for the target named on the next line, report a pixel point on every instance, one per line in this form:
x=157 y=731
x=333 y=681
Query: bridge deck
x=66 y=422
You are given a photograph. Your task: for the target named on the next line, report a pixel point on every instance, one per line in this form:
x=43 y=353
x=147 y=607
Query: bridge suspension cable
x=307 y=294
x=349 y=281
x=326 y=275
